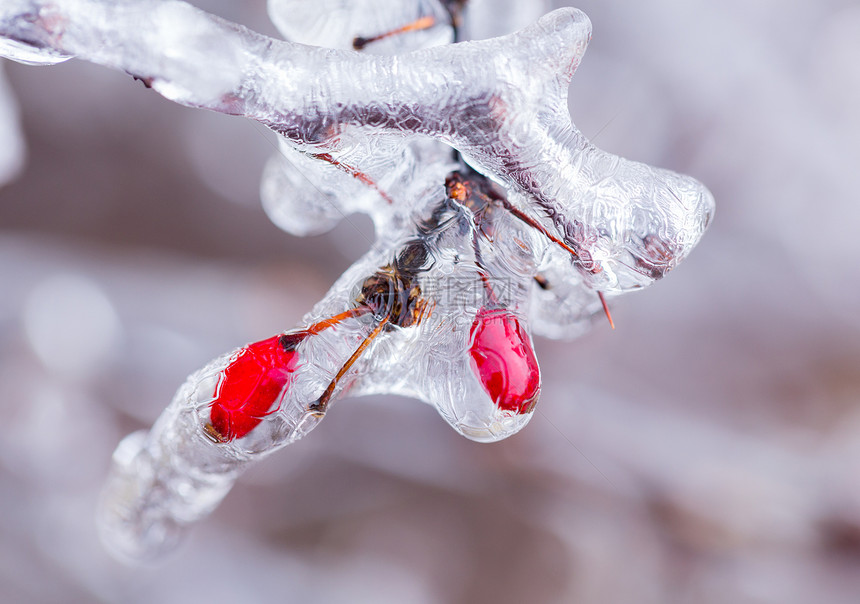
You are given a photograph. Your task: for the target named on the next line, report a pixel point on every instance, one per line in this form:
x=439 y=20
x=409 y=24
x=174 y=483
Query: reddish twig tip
x=606 y=309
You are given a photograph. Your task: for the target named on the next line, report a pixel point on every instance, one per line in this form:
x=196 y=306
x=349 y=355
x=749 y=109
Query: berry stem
x=335 y=320
x=319 y=408
x=419 y=24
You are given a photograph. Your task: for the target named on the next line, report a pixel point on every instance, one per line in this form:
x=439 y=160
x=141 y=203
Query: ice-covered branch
x=501 y=102
x=440 y=309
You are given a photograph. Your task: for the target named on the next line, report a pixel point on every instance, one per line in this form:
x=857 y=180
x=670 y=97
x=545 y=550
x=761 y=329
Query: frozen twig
x=501 y=102
x=439 y=309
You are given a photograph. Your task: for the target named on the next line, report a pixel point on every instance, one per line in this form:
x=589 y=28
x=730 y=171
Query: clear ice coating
x=494 y=217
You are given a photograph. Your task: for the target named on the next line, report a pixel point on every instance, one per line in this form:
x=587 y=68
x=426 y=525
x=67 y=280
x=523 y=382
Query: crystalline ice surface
x=529 y=229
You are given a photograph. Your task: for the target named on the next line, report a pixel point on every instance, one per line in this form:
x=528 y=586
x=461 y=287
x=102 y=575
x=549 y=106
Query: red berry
x=504 y=361
x=250 y=385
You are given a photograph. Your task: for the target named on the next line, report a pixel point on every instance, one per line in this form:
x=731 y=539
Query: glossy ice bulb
x=503 y=359
x=250 y=386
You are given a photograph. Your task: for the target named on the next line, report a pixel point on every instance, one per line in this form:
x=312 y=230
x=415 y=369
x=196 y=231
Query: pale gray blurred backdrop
x=707 y=451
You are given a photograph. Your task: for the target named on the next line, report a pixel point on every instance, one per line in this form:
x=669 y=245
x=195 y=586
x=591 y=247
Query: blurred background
x=706 y=451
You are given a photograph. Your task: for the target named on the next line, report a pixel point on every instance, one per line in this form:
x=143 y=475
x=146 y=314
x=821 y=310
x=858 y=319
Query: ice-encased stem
x=501 y=102
x=164 y=479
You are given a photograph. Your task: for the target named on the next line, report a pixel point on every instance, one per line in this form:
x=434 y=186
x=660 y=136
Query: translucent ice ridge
x=501 y=102
x=521 y=229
